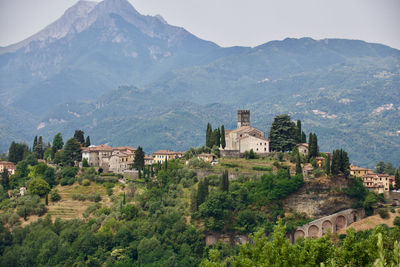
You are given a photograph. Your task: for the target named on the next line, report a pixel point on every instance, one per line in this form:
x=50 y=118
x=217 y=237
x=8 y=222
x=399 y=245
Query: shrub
x=85 y=182
x=64 y=181
x=280 y=156
x=392 y=210
x=383 y=213
x=54 y=195
x=262 y=168
x=397 y=221
x=109 y=191
x=318 y=173
x=38 y=186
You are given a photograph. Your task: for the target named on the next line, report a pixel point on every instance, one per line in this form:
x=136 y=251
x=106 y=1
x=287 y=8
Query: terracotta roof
x=319 y=158
x=97 y=148
x=124 y=148
x=357 y=168
x=165 y=152
x=303 y=144
x=244 y=129
x=148 y=157
x=6 y=163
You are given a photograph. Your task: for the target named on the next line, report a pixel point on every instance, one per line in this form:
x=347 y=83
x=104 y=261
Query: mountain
x=129 y=79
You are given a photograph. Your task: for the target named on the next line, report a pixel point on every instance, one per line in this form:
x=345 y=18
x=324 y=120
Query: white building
x=245 y=137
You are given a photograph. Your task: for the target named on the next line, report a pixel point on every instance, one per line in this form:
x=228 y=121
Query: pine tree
x=87 y=143
x=209 y=135
x=397 y=179
x=283 y=134
x=298 y=164
x=79 y=135
x=223 y=142
x=72 y=152
x=328 y=165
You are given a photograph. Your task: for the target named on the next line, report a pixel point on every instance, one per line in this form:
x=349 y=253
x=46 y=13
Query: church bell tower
x=243 y=118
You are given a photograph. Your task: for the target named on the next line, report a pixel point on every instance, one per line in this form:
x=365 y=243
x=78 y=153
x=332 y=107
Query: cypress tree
x=225 y=181
x=298 y=129
x=193 y=201
x=335 y=167
x=209 y=135
x=58 y=142
x=344 y=163
x=310 y=146
x=139 y=174
x=124 y=199
x=87 y=143
x=138 y=162
x=316 y=149
x=47 y=199
x=39 y=148
x=5 y=179
x=298 y=164
x=35 y=142
x=223 y=143
x=79 y=135
x=166 y=164
x=152 y=172
x=218 y=138
x=328 y=165
x=397 y=179
x=303 y=137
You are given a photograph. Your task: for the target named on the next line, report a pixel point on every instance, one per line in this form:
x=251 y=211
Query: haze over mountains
x=68 y=77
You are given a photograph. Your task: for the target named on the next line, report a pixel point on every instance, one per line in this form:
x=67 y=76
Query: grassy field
x=241 y=165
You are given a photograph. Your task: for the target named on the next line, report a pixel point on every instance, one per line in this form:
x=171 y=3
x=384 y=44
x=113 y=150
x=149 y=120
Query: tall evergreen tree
x=303 y=137
x=17 y=152
x=298 y=129
x=328 y=165
x=225 y=181
x=209 y=135
x=316 y=148
x=344 y=163
x=380 y=167
x=223 y=142
x=335 y=167
x=218 y=137
x=138 y=162
x=310 y=146
x=35 y=143
x=193 y=201
x=282 y=135
x=87 y=142
x=5 y=179
x=298 y=164
x=71 y=152
x=79 y=135
x=39 y=148
x=397 y=179
x=58 y=142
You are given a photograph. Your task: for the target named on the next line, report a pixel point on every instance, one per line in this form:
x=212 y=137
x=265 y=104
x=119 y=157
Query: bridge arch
x=341 y=222
x=299 y=233
x=325 y=226
x=313 y=231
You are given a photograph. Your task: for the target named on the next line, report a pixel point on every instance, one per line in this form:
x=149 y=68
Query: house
x=244 y=137
x=307 y=169
x=148 y=160
x=319 y=161
x=207 y=157
x=110 y=159
x=303 y=148
x=9 y=166
x=161 y=156
x=358 y=171
x=379 y=183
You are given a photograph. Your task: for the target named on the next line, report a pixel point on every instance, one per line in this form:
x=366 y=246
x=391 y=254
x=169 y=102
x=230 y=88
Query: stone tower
x=243 y=118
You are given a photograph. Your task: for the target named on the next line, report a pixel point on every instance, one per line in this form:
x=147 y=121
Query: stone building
x=379 y=183
x=303 y=148
x=161 y=156
x=9 y=166
x=358 y=171
x=244 y=137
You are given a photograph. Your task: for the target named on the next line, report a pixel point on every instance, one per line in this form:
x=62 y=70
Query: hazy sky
x=233 y=22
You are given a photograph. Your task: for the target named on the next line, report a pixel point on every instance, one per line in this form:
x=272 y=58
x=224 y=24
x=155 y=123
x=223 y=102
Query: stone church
x=244 y=137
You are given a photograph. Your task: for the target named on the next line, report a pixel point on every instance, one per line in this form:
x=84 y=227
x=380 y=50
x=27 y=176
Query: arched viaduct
x=334 y=222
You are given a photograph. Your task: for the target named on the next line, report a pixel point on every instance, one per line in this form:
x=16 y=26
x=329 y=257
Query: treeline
x=215 y=137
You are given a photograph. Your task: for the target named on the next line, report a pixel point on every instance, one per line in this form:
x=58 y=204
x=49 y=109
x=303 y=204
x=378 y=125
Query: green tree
x=344 y=163
x=303 y=137
x=389 y=169
x=298 y=164
x=35 y=143
x=138 y=162
x=225 y=181
x=47 y=200
x=202 y=191
x=17 y=152
x=58 y=142
x=282 y=134
x=397 y=179
x=223 y=142
x=335 y=167
x=5 y=179
x=71 y=152
x=312 y=146
x=38 y=186
x=328 y=165
x=380 y=167
x=79 y=136
x=298 y=131
x=48 y=154
x=87 y=143
x=85 y=163
x=209 y=136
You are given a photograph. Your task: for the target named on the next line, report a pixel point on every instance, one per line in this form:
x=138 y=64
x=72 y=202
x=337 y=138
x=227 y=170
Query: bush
x=262 y=168
x=85 y=182
x=397 y=221
x=64 y=181
x=392 y=210
x=54 y=195
x=383 y=213
x=318 y=173
x=109 y=191
x=280 y=156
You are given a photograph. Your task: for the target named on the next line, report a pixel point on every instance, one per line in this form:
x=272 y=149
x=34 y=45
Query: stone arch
x=325 y=226
x=299 y=233
x=341 y=222
x=313 y=231
x=353 y=217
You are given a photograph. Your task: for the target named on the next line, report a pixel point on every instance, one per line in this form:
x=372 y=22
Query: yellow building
x=358 y=171
x=161 y=155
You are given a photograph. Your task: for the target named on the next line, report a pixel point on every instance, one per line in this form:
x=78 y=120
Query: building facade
x=245 y=138
x=161 y=156
x=9 y=166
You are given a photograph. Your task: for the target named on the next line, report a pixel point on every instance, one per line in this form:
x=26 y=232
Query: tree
x=209 y=136
x=340 y=163
x=298 y=131
x=298 y=164
x=47 y=199
x=71 y=152
x=138 y=162
x=380 y=167
x=328 y=165
x=38 y=186
x=303 y=137
x=335 y=167
x=202 y=191
x=87 y=143
x=389 y=169
x=282 y=134
x=79 y=136
x=85 y=163
x=397 y=179
x=57 y=142
x=48 y=154
x=312 y=146
x=17 y=152
x=217 y=138
x=35 y=143
x=223 y=142
x=225 y=181
x=38 y=148
x=5 y=179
